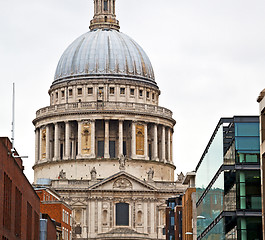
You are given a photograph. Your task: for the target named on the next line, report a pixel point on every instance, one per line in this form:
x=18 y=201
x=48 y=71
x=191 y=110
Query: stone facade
x=104 y=141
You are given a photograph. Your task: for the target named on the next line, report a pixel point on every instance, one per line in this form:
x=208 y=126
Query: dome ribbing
x=104 y=53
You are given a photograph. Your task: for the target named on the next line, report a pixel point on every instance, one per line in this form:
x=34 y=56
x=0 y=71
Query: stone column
x=79 y=136
x=37 y=149
x=56 y=141
x=133 y=142
x=120 y=138
x=145 y=142
x=171 y=148
x=40 y=144
x=48 y=151
x=110 y=7
x=67 y=140
x=106 y=143
x=155 y=157
x=145 y=217
x=168 y=145
x=163 y=143
x=93 y=131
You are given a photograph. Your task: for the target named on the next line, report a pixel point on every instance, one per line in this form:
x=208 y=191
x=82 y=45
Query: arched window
x=106 y=18
x=122 y=214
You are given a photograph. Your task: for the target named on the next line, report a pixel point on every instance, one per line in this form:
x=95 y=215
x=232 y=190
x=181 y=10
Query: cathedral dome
x=104 y=53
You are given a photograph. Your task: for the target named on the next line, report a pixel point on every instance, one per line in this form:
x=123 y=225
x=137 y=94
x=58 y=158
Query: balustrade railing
x=108 y=106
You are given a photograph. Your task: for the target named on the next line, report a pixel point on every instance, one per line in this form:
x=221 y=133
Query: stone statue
x=62 y=175
x=180 y=177
x=150 y=174
x=93 y=173
x=122 y=162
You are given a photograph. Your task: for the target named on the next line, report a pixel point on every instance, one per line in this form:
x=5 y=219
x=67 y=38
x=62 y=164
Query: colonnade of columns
x=77 y=140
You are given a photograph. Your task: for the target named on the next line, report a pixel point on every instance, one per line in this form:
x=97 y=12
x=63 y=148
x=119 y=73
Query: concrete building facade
x=104 y=143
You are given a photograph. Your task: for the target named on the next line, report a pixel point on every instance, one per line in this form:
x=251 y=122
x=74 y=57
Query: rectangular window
x=90 y=90
x=56 y=94
x=79 y=91
x=62 y=92
x=70 y=92
x=248 y=190
x=172 y=221
x=111 y=90
x=140 y=93
x=122 y=214
x=18 y=207
x=7 y=202
x=36 y=225
x=132 y=91
x=112 y=149
x=29 y=221
x=124 y=148
x=147 y=94
x=105 y=5
x=100 y=149
x=122 y=90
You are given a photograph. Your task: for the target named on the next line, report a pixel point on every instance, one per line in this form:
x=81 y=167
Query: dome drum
x=104 y=139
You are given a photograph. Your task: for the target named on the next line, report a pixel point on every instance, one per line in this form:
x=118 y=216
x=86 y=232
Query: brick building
x=189 y=215
x=58 y=210
x=19 y=204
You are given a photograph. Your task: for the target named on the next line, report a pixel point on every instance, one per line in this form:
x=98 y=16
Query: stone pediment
x=123 y=233
x=122 y=181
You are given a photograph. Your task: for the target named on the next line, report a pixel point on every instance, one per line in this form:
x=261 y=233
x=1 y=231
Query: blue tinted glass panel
x=210 y=164
x=172 y=221
x=212 y=204
x=217 y=232
x=246 y=129
x=247 y=143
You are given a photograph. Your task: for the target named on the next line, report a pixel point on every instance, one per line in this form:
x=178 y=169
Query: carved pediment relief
x=122 y=183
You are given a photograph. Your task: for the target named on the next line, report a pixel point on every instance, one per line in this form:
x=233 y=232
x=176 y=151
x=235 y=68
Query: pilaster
x=120 y=138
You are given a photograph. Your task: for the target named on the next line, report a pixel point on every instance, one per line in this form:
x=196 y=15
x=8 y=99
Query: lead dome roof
x=108 y=53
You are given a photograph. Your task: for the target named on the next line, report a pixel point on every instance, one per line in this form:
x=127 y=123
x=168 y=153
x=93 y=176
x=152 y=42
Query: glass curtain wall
x=212 y=204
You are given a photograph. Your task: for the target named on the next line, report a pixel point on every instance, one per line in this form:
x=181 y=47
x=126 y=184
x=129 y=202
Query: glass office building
x=228 y=187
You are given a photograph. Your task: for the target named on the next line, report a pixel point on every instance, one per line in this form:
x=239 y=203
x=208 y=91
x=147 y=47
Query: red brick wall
x=51 y=230
x=45 y=196
x=55 y=211
x=12 y=168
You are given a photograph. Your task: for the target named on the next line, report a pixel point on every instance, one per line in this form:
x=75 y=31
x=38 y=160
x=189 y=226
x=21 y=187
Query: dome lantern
x=104 y=15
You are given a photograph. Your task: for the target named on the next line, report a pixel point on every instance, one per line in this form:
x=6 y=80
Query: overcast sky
x=208 y=57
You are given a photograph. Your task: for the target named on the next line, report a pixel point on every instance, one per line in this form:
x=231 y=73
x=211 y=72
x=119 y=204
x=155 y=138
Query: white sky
x=208 y=57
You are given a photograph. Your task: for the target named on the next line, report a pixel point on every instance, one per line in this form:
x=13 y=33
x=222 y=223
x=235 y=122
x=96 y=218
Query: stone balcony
x=101 y=107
